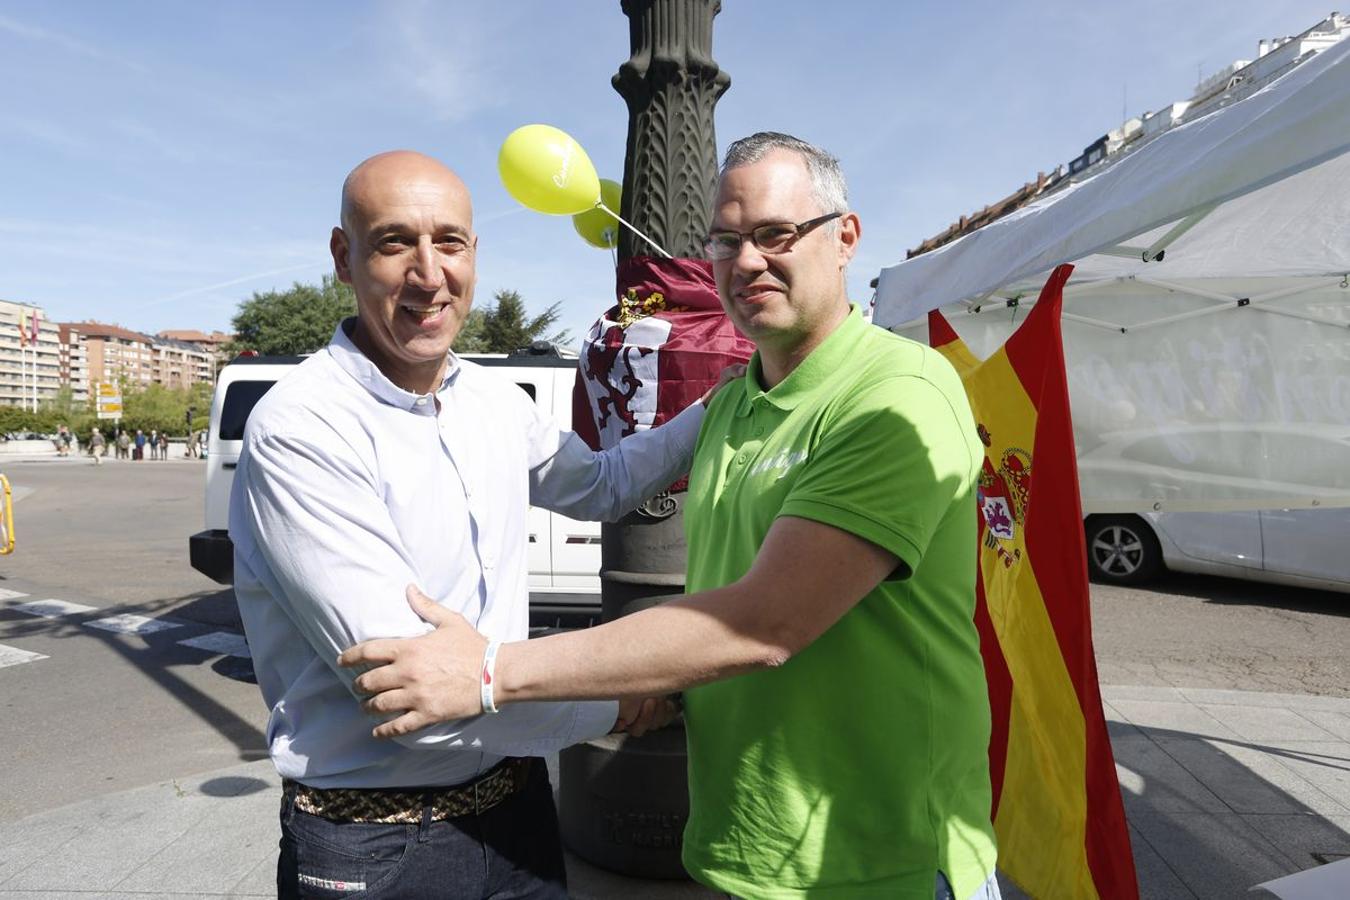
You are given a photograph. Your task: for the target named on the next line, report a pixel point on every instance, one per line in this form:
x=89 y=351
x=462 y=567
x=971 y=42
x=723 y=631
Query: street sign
x=108 y=400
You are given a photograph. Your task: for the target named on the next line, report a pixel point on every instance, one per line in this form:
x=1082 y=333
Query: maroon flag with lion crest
x=654 y=352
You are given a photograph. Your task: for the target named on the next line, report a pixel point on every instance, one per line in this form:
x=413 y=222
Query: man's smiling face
x=406 y=246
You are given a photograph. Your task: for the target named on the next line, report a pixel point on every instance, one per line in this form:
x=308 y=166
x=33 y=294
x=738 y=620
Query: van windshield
x=240 y=398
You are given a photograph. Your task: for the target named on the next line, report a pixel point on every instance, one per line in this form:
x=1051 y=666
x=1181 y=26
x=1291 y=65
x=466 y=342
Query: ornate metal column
x=671 y=84
x=624 y=802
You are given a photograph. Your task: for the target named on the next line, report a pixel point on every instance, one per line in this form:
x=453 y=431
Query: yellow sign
x=108 y=400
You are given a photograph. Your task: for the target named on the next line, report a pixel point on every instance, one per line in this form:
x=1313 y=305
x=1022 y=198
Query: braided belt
x=408 y=805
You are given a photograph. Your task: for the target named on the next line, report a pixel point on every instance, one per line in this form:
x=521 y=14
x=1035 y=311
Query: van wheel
x=1122 y=550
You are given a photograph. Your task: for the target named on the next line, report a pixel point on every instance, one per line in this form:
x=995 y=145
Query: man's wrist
x=487 y=677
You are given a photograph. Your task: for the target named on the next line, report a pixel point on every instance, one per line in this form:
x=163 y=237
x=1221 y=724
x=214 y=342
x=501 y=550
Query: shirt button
x=421 y=401
x=759 y=430
x=740 y=460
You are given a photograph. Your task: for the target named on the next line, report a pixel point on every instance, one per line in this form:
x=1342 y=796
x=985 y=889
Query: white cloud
x=450 y=60
x=68 y=43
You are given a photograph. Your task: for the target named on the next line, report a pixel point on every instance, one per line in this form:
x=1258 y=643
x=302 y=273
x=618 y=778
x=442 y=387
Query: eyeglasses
x=776 y=237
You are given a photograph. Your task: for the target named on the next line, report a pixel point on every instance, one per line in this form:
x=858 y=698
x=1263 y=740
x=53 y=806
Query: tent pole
x=1307 y=317
x=1290 y=292
x=1177 y=231
x=1186 y=289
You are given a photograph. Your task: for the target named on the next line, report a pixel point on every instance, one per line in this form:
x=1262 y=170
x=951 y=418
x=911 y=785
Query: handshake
x=637 y=716
x=412 y=683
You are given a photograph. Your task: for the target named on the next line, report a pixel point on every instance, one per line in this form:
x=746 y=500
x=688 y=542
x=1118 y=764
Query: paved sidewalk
x=1223 y=790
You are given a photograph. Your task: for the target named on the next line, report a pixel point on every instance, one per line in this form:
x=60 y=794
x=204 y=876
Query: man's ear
x=341 y=249
x=850 y=232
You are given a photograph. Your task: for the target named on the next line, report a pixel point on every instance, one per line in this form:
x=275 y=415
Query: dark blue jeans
x=510 y=852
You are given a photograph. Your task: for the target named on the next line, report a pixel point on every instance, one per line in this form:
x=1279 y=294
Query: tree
x=471 y=338
x=154 y=406
x=505 y=327
x=298 y=320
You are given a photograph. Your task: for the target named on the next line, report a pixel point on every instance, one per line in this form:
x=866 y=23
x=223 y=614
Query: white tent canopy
x=1217 y=376
x=1294 y=123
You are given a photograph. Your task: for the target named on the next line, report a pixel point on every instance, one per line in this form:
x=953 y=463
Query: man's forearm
x=686 y=642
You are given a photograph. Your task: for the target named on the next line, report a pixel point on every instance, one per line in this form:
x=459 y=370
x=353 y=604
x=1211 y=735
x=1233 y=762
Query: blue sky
x=161 y=161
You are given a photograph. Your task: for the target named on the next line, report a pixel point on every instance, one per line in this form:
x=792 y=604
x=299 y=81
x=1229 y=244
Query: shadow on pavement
x=1238 y=592
x=159 y=653
x=232 y=786
x=1213 y=816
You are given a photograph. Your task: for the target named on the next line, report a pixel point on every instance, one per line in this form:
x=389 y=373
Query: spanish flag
x=1057 y=808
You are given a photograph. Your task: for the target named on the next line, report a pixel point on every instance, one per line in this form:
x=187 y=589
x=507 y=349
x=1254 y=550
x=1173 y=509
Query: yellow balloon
x=547 y=171
x=596 y=226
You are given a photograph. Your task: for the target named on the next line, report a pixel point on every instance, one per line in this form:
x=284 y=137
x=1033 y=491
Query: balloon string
x=633 y=228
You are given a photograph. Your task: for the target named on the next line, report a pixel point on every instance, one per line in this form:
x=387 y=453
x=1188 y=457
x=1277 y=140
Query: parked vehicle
x=563 y=554
x=1301 y=547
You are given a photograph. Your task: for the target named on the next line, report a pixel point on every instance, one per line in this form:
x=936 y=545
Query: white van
x=564 y=554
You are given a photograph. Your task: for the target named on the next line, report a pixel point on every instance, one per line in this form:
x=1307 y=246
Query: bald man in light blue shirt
x=382 y=461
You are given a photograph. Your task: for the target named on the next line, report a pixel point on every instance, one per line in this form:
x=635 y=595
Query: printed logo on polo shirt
x=781 y=463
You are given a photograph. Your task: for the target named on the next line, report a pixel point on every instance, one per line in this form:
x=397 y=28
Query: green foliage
x=302 y=319
x=299 y=320
x=58 y=410
x=506 y=327
x=471 y=338
x=155 y=406
x=146 y=407
x=14 y=420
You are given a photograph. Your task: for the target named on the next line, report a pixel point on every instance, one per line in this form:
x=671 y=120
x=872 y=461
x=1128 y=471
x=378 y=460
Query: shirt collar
x=819 y=365
x=359 y=366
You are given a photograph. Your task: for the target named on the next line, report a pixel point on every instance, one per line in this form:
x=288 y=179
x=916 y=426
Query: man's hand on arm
x=729 y=374
x=435 y=677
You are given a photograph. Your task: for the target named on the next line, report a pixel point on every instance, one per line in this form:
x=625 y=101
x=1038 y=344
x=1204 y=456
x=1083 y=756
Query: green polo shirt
x=860 y=767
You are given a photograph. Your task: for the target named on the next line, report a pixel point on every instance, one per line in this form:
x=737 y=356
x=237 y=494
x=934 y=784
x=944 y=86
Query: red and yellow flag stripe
x=1057 y=809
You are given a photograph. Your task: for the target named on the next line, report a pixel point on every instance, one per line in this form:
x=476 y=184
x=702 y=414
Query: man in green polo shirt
x=835 y=697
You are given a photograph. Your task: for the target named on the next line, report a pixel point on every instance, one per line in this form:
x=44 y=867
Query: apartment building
x=178 y=364
x=30 y=364
x=215 y=342
x=115 y=353
x=74 y=361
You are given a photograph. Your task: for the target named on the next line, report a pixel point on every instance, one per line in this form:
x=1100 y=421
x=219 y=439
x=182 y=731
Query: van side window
x=527 y=388
x=240 y=398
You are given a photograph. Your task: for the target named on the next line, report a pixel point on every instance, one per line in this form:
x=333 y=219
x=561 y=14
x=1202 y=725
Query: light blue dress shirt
x=349 y=489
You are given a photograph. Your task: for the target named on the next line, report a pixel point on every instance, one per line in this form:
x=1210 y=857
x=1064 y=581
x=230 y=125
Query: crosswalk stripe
x=129 y=624
x=52 y=609
x=13 y=656
x=7 y=594
x=224 y=642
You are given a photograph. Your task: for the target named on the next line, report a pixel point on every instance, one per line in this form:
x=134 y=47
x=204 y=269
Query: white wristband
x=485 y=682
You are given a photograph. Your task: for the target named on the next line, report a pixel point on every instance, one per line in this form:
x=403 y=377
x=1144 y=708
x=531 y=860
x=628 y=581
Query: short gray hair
x=827 y=179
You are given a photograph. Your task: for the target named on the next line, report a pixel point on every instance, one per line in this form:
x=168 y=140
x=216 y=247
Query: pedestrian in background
x=154 y=444
x=123 y=444
x=96 y=446
x=163 y=445
x=139 y=452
